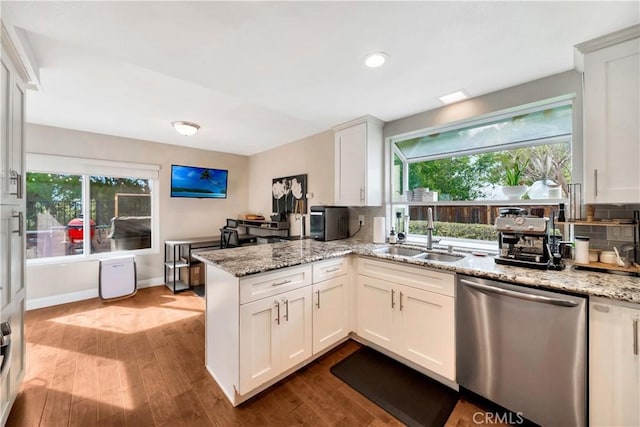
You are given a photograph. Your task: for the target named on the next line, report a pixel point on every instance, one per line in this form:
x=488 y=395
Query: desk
x=178 y=254
x=267 y=228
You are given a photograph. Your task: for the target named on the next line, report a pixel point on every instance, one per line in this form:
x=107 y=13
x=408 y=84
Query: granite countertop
x=260 y=258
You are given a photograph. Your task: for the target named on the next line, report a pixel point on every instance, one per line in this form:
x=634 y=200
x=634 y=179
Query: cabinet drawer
x=266 y=284
x=421 y=278
x=328 y=269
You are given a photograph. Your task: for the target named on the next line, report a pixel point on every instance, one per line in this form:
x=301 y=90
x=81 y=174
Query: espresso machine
x=523 y=240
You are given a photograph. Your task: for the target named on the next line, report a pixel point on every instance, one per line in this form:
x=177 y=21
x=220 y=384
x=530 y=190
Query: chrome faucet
x=429 y=228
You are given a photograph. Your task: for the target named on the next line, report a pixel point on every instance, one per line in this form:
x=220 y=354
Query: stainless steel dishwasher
x=524 y=349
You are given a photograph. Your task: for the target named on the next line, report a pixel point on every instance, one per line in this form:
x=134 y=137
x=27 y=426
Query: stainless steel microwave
x=329 y=222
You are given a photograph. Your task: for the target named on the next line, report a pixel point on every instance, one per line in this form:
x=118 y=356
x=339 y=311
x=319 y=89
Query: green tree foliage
x=461 y=178
x=60 y=196
x=474 y=176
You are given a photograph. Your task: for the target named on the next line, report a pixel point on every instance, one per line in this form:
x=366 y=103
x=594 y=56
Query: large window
x=74 y=213
x=467 y=171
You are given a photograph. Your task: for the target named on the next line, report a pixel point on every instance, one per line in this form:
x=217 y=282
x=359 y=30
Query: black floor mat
x=408 y=395
x=198 y=290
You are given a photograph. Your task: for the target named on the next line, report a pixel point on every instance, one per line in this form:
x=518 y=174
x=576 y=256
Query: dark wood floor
x=140 y=362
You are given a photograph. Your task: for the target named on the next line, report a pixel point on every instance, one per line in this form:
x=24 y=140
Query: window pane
x=467 y=222
x=546 y=174
x=398 y=178
x=552 y=124
x=121 y=210
x=484 y=162
x=53 y=203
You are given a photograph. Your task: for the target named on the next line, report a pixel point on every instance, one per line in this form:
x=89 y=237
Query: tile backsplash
x=606 y=238
x=366 y=233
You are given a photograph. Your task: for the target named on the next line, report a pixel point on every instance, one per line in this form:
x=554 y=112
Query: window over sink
x=466 y=171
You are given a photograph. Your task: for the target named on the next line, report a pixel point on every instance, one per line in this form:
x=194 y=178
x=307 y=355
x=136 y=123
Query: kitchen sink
x=418 y=254
x=435 y=256
x=400 y=251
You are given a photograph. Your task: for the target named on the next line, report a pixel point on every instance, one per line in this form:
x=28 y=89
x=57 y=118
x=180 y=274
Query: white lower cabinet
x=331 y=289
x=330 y=310
x=376 y=311
x=427 y=330
x=275 y=335
x=614 y=363
x=408 y=320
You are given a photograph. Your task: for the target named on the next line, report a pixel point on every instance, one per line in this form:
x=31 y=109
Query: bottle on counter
x=561 y=215
x=392 y=237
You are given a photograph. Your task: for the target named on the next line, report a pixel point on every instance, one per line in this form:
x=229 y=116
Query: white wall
x=312 y=155
x=179 y=218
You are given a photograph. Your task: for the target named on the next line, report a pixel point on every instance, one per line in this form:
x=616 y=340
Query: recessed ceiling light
x=456 y=96
x=374 y=60
x=185 y=128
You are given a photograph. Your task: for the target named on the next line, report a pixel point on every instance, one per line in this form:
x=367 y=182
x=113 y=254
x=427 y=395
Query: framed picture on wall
x=290 y=194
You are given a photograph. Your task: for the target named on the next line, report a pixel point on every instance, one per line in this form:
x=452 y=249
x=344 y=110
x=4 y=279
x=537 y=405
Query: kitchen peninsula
x=259 y=302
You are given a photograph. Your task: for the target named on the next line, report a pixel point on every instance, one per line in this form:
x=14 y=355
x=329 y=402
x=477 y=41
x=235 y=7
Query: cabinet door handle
x=20 y=229
x=401 y=306
x=362 y=194
x=318 y=303
x=595 y=182
x=278 y=309
x=17 y=178
x=284 y=282
x=635 y=336
x=331 y=270
x=393 y=303
x=286 y=310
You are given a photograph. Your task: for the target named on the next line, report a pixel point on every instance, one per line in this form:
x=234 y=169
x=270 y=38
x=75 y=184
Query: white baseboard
x=33 y=304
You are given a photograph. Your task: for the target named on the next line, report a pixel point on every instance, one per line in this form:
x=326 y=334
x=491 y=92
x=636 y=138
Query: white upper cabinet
x=612 y=117
x=12 y=108
x=359 y=163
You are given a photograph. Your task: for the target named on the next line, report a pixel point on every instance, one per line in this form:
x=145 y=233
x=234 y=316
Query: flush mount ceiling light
x=374 y=60
x=186 y=128
x=456 y=96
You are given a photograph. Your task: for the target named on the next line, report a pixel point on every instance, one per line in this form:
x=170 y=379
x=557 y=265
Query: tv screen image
x=192 y=181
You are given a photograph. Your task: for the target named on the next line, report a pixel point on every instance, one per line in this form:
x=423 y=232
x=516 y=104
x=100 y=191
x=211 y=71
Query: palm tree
x=206 y=175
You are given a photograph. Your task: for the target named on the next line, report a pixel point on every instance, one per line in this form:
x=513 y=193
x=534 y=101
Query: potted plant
x=514 y=187
x=548 y=163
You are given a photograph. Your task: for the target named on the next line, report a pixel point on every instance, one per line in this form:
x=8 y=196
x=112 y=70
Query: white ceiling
x=256 y=75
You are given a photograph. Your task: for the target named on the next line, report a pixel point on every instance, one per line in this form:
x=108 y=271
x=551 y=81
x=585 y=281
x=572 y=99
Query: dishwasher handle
x=520 y=295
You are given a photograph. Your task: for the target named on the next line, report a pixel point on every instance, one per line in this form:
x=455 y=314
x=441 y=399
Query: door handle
x=635 y=336
x=318 y=303
x=393 y=303
x=20 y=230
x=286 y=310
x=277 y=304
x=17 y=178
x=520 y=295
x=362 y=194
x=595 y=182
x=401 y=306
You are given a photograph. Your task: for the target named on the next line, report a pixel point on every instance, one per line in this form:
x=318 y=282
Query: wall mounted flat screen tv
x=201 y=183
